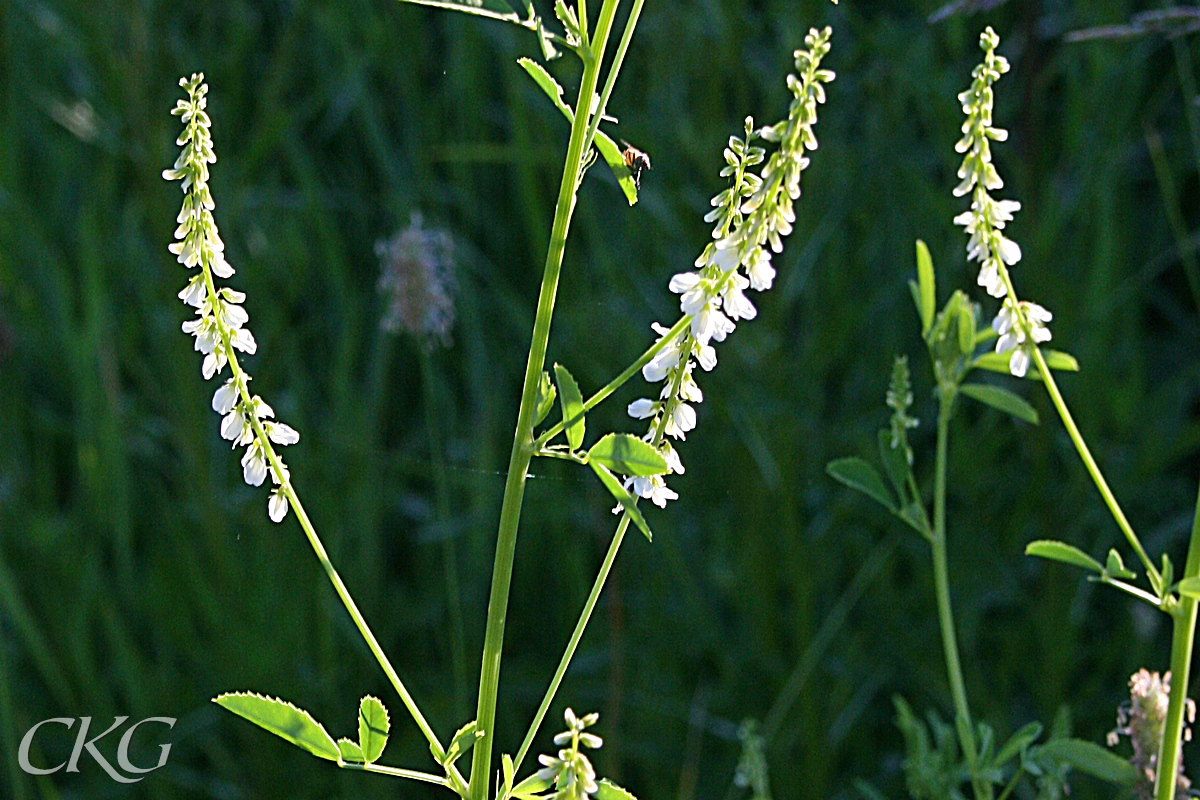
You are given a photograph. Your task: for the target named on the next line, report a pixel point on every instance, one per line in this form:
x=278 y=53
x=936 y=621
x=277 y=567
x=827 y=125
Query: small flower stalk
x=752 y=216
x=220 y=328
x=1142 y=720
x=571 y=771
x=900 y=399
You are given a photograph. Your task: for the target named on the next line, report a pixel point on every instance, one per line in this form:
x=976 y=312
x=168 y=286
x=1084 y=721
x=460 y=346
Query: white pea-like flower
x=219 y=326
x=1020 y=326
x=752 y=215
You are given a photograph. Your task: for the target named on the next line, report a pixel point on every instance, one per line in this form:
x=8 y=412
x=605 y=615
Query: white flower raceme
x=1020 y=326
x=752 y=216
x=571 y=771
x=987 y=217
x=220 y=324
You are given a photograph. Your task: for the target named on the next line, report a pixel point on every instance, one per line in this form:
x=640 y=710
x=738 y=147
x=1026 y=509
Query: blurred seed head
x=417 y=277
x=1143 y=719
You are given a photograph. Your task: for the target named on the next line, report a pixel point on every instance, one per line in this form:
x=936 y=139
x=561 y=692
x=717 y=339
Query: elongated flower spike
x=220 y=324
x=752 y=217
x=1021 y=325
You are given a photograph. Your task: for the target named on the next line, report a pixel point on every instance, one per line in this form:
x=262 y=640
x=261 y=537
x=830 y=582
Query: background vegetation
x=139 y=576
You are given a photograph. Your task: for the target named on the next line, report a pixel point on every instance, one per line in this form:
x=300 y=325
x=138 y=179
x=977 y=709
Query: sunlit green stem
x=1090 y=463
x=588 y=607
x=617 y=382
x=396 y=772
x=318 y=548
x=941 y=586
x=441 y=487
x=1182 y=641
x=514 y=487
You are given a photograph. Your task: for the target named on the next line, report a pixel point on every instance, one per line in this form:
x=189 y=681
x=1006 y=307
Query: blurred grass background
x=139 y=576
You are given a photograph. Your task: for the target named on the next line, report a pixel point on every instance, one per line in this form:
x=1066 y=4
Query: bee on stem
x=636 y=161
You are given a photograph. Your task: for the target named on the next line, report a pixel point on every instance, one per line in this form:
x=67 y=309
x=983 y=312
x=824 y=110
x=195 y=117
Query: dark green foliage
x=139 y=576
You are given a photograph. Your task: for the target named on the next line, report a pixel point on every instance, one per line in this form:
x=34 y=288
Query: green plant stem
x=458 y=656
x=618 y=381
x=1012 y=784
x=941 y=585
x=319 y=548
x=397 y=772
x=1182 y=640
x=514 y=486
x=588 y=607
x=1090 y=463
x=618 y=60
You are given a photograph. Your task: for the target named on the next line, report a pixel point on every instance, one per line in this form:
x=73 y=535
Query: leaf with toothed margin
x=282 y=719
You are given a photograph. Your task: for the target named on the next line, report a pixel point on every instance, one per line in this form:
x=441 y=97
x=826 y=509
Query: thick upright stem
x=941 y=586
x=522 y=452
x=1182 y=641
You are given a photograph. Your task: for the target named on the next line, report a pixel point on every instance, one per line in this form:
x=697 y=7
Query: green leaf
x=1115 y=567
x=493 y=9
x=373 y=727
x=1168 y=574
x=1061 y=551
x=572 y=406
x=531 y=786
x=628 y=455
x=895 y=464
x=858 y=474
x=1091 y=758
x=1190 y=587
x=546 y=393
x=998 y=362
x=607 y=790
x=1000 y=399
x=611 y=152
x=927 y=297
x=627 y=501
x=351 y=751
x=464 y=740
x=966 y=329
x=914 y=515
x=282 y=719
x=506 y=763
x=1017 y=743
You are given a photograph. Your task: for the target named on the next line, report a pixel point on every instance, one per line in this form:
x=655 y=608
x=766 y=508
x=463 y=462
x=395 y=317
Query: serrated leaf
x=1001 y=400
x=571 y=401
x=544 y=401
x=858 y=474
x=463 y=740
x=895 y=464
x=282 y=719
x=1017 y=743
x=351 y=751
x=1115 y=567
x=998 y=362
x=628 y=455
x=609 y=149
x=1091 y=758
x=623 y=497
x=373 y=727
x=493 y=9
x=607 y=790
x=1061 y=551
x=927 y=287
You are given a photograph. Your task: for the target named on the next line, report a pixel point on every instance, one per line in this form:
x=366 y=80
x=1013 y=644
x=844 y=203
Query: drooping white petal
x=643 y=408
x=225 y=397
x=277 y=506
